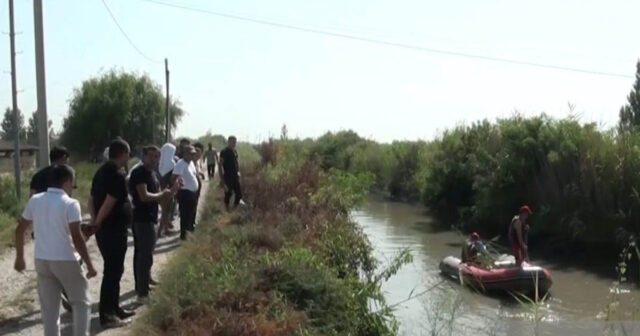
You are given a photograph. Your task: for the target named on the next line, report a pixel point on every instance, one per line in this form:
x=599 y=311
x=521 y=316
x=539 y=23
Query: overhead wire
x=387 y=43
x=126 y=36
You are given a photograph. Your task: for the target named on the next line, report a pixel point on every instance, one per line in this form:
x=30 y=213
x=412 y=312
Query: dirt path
x=19 y=306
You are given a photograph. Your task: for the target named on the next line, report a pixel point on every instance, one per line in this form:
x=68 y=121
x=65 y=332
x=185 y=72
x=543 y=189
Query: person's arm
x=146 y=196
x=221 y=168
x=105 y=210
x=23 y=224
x=518 y=228
x=80 y=245
x=92 y=210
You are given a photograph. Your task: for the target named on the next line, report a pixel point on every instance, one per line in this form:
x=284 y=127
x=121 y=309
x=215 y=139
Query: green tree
x=8 y=126
x=630 y=113
x=116 y=104
x=32 y=130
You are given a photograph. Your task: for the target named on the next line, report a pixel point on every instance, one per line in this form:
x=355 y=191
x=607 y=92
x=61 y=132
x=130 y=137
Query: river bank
x=290 y=262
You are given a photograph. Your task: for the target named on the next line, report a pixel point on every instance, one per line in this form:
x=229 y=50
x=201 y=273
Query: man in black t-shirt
x=41 y=180
x=111 y=212
x=144 y=186
x=229 y=173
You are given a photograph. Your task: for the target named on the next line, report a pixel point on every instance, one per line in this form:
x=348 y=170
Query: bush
x=296 y=265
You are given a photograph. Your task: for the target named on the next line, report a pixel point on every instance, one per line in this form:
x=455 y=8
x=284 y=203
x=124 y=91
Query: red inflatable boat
x=503 y=276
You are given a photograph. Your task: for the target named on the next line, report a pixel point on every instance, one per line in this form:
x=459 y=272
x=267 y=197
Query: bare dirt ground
x=19 y=305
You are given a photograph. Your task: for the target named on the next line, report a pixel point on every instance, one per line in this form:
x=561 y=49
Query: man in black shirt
x=144 y=186
x=229 y=173
x=41 y=180
x=111 y=212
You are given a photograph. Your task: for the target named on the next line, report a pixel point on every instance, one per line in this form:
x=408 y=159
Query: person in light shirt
x=56 y=220
x=188 y=194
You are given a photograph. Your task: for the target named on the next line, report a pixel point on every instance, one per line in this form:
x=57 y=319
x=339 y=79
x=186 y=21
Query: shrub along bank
x=291 y=263
x=582 y=183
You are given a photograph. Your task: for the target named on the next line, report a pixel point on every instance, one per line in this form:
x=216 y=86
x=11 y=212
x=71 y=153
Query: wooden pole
x=167 y=127
x=14 y=98
x=43 y=121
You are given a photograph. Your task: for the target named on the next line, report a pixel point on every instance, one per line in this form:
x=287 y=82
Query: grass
x=290 y=263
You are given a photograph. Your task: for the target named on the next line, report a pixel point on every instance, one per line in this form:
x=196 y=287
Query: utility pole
x=167 y=127
x=43 y=121
x=14 y=98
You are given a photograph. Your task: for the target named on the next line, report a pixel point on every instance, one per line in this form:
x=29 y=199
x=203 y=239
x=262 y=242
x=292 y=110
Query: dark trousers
x=188 y=203
x=233 y=187
x=113 y=247
x=144 y=241
x=211 y=170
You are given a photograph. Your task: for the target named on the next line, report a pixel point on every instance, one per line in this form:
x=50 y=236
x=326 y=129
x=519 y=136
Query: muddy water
x=575 y=306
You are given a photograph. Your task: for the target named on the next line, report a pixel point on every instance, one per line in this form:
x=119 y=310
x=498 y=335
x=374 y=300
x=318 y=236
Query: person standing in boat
x=519 y=234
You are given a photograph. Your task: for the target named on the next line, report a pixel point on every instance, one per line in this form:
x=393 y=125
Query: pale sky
x=248 y=79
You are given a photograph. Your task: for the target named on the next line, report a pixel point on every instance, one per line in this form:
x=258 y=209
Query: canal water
x=576 y=304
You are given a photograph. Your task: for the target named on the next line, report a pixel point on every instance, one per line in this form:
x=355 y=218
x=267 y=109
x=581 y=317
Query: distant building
x=27 y=156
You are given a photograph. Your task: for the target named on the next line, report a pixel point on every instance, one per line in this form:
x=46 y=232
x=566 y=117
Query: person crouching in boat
x=518 y=235
x=473 y=249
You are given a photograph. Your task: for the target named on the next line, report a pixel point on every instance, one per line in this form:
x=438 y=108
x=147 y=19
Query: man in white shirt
x=188 y=194
x=56 y=222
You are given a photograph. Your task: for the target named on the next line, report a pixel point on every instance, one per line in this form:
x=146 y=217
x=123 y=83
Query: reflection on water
x=577 y=296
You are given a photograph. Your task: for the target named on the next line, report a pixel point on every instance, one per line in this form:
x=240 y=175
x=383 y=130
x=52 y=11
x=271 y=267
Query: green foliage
x=343 y=191
x=579 y=181
x=116 y=104
x=8 y=126
x=630 y=113
x=296 y=265
x=406 y=157
x=32 y=130
x=330 y=150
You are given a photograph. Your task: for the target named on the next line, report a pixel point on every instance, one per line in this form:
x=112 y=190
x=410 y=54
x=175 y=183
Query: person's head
x=475 y=237
x=231 y=142
x=59 y=155
x=190 y=154
x=199 y=148
x=184 y=142
x=62 y=177
x=119 y=152
x=525 y=212
x=210 y=146
x=151 y=157
x=167 y=151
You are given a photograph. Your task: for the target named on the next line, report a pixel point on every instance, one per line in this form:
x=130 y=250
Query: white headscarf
x=166 y=158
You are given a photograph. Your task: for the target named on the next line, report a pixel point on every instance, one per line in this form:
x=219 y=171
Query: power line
x=127 y=36
x=388 y=43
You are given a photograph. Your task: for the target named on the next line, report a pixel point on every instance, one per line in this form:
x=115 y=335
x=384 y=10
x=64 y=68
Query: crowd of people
x=142 y=200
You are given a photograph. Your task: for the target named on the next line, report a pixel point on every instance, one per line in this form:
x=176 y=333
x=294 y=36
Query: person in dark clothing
x=41 y=180
x=111 y=212
x=185 y=169
x=230 y=174
x=146 y=193
x=212 y=158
